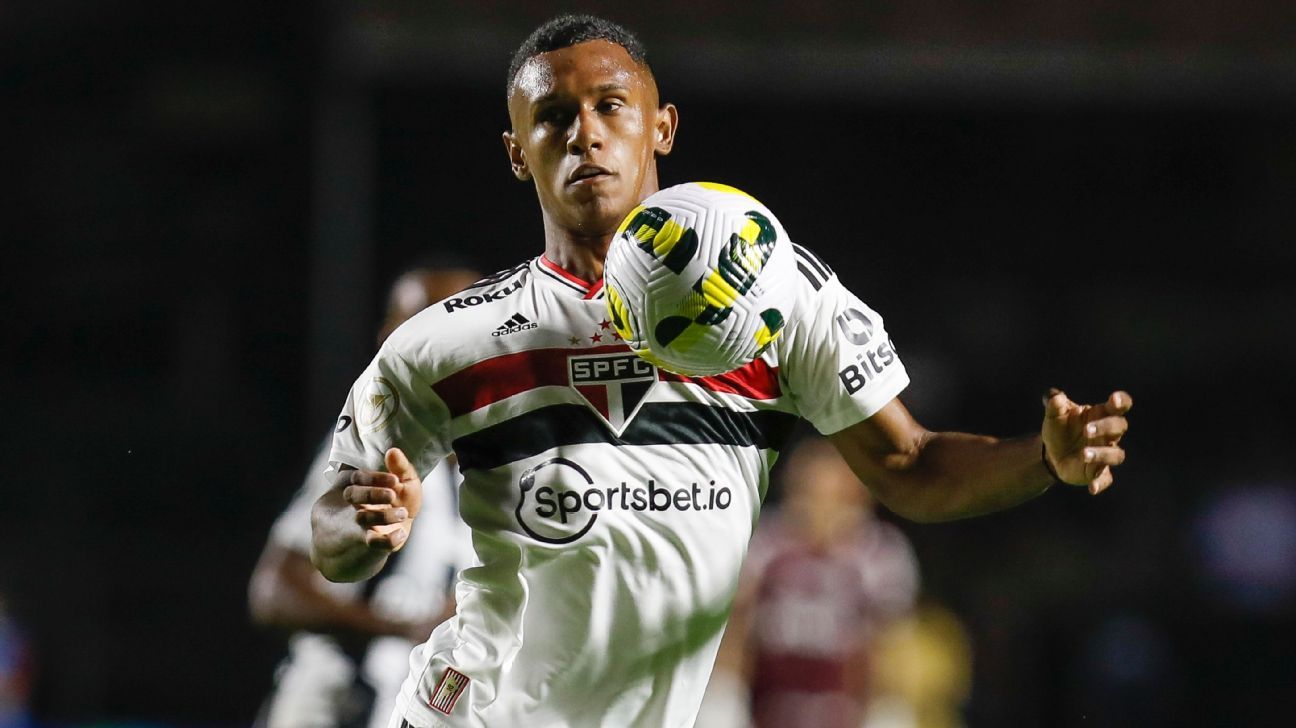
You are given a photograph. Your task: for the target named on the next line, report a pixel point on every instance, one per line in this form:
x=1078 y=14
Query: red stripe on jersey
x=554 y=267
x=598 y=396
x=594 y=289
x=501 y=377
x=754 y=380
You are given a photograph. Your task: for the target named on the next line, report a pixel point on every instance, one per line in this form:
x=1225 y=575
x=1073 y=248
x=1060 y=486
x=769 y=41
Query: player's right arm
x=376 y=490
x=286 y=591
x=364 y=518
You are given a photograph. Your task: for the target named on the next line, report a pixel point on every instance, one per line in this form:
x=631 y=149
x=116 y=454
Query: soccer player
x=350 y=643
x=823 y=578
x=611 y=503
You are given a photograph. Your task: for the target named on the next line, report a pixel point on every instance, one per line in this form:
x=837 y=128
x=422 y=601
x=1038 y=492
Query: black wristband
x=1047 y=465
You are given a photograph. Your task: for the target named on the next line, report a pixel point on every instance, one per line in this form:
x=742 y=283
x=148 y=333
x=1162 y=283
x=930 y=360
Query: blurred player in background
x=823 y=578
x=610 y=503
x=350 y=646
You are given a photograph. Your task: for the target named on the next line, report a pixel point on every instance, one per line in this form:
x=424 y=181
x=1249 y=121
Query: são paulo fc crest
x=613 y=385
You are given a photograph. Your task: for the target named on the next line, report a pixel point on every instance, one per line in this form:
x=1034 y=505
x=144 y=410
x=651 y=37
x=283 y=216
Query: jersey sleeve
x=292 y=529
x=390 y=405
x=838 y=360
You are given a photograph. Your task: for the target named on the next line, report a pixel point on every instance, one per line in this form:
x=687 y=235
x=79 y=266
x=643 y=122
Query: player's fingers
x=373 y=478
x=1101 y=482
x=1098 y=457
x=370 y=517
x=1106 y=430
x=1055 y=403
x=358 y=495
x=1118 y=403
x=387 y=539
x=399 y=465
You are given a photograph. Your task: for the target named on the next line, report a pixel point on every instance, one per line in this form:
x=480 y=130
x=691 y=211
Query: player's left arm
x=938 y=476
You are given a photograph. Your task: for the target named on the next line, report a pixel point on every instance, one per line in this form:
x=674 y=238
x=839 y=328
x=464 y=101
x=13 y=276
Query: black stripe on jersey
x=494 y=278
x=657 y=423
x=809 y=276
x=815 y=261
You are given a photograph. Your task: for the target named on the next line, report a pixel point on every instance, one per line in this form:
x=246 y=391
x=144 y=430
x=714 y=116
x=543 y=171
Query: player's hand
x=1081 y=441
x=385 y=503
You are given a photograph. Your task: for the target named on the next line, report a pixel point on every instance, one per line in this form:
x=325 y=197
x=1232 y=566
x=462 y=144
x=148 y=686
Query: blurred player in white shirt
x=350 y=643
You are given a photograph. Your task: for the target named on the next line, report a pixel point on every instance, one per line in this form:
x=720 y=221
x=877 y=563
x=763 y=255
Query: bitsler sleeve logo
x=871 y=356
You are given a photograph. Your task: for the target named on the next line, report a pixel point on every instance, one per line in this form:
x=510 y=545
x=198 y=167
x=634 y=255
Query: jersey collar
x=566 y=281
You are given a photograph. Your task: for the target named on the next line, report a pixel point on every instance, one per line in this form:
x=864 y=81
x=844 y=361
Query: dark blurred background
x=207 y=200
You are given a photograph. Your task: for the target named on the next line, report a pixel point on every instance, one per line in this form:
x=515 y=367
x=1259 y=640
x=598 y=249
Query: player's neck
x=583 y=255
x=579 y=255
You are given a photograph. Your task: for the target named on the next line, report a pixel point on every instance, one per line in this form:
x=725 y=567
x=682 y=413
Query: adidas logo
x=515 y=324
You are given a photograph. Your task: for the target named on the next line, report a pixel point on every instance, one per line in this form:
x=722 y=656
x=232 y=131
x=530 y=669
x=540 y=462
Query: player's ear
x=517 y=158
x=666 y=122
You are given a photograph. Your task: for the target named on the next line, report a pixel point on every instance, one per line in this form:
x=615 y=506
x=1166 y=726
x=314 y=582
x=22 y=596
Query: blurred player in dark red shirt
x=823 y=576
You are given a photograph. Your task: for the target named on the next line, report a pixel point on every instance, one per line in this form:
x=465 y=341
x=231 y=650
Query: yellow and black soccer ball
x=700 y=279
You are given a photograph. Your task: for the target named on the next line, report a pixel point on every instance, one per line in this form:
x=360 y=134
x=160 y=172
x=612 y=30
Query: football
x=700 y=279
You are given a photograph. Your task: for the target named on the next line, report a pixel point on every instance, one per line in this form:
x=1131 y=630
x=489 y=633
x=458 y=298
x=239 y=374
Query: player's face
x=586 y=128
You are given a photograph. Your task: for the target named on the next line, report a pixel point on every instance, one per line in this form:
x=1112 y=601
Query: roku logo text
x=452 y=304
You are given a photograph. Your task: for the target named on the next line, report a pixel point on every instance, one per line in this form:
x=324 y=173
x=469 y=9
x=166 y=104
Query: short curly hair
x=567 y=30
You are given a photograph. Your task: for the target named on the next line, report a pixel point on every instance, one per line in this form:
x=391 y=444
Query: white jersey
x=317 y=684
x=610 y=502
